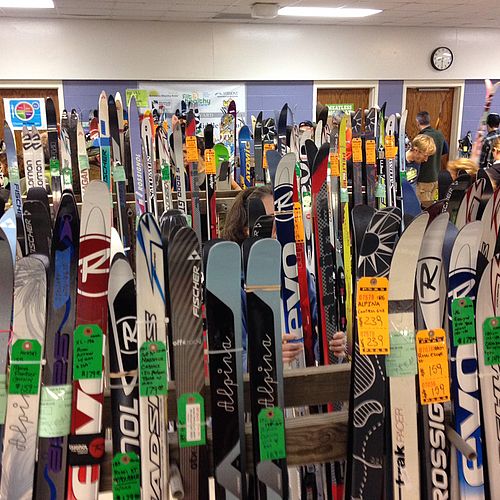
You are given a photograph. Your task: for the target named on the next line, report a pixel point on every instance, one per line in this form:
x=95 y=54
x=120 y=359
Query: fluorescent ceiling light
x=326 y=12
x=26 y=4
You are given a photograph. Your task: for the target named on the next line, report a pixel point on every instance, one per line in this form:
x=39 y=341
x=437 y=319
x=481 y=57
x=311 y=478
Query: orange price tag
x=391 y=152
x=432 y=358
x=390 y=140
x=334 y=165
x=371 y=156
x=373 y=315
x=191 y=149
x=298 y=223
x=357 y=151
x=267 y=147
x=210 y=162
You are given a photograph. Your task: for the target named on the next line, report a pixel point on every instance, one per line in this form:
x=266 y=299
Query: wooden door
x=439 y=104
x=360 y=98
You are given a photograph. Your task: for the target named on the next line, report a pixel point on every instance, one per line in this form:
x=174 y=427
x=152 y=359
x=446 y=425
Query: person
x=421 y=148
x=236 y=229
x=492 y=125
x=427 y=181
x=493 y=170
x=464 y=168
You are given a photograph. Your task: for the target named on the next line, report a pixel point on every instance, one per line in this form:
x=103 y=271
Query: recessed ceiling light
x=26 y=4
x=326 y=12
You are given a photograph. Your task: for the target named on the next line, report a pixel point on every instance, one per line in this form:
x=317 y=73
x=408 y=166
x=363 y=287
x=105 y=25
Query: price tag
x=271 y=434
x=462 y=314
x=119 y=173
x=391 y=152
x=191 y=149
x=191 y=413
x=432 y=357
x=371 y=155
x=87 y=352
x=334 y=165
x=153 y=369
x=55 y=167
x=491 y=339
x=390 y=141
x=83 y=162
x=126 y=476
x=373 y=315
x=3 y=397
x=298 y=223
x=165 y=172
x=402 y=361
x=268 y=146
x=25 y=367
x=357 y=150
x=210 y=168
x=379 y=190
x=55 y=411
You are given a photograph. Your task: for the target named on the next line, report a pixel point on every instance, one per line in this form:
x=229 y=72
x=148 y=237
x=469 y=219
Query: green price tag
x=55 y=411
x=165 y=171
x=189 y=220
x=379 y=190
x=126 y=476
x=271 y=434
x=67 y=176
x=3 y=397
x=87 y=352
x=491 y=337
x=119 y=173
x=83 y=162
x=153 y=369
x=462 y=314
x=191 y=413
x=344 y=195
x=402 y=361
x=55 y=167
x=307 y=199
x=25 y=366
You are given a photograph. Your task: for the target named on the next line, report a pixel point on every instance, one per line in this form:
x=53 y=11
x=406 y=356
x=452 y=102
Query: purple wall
x=269 y=97
x=390 y=91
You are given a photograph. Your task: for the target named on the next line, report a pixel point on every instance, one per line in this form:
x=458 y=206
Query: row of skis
x=79 y=296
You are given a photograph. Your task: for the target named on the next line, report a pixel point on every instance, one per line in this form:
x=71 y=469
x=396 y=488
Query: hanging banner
x=346 y=108
x=25 y=111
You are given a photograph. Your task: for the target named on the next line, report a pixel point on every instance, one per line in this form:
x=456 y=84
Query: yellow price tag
x=373 y=315
x=210 y=162
x=432 y=358
x=390 y=141
x=391 y=152
x=267 y=147
x=191 y=149
x=334 y=165
x=357 y=151
x=371 y=156
x=298 y=223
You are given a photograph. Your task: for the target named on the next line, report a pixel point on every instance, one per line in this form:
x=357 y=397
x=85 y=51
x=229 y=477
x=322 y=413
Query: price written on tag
x=191 y=149
x=371 y=156
x=432 y=357
x=55 y=411
x=391 y=152
x=153 y=369
x=119 y=173
x=373 y=315
x=463 y=321
x=491 y=339
x=87 y=352
x=402 y=361
x=165 y=172
x=25 y=367
x=210 y=167
x=298 y=222
x=191 y=414
x=271 y=434
x=334 y=165
x=126 y=476
x=267 y=147
x=357 y=150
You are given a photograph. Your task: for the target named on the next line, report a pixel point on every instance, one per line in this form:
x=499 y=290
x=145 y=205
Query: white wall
x=67 y=49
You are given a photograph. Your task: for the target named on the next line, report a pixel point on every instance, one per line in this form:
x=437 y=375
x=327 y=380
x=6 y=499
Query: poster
x=25 y=111
x=346 y=108
x=210 y=99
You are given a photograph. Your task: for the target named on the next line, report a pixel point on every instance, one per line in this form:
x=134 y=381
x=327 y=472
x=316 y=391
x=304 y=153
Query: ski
x=53 y=142
x=180 y=170
x=371 y=155
x=163 y=158
x=83 y=159
x=210 y=182
x=104 y=139
x=37 y=228
x=192 y=159
x=246 y=148
x=149 y=166
x=357 y=158
x=474 y=202
x=136 y=158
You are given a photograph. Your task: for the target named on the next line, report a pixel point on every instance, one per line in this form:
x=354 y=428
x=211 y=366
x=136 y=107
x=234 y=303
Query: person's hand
x=338 y=344
x=291 y=350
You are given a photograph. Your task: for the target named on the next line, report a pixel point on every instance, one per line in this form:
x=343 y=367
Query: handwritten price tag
x=191 y=149
x=267 y=147
x=432 y=357
x=210 y=168
x=298 y=223
x=357 y=151
x=334 y=165
x=25 y=363
x=402 y=361
x=491 y=337
x=153 y=369
x=373 y=315
x=271 y=433
x=464 y=324
x=371 y=156
x=87 y=352
x=191 y=414
x=126 y=469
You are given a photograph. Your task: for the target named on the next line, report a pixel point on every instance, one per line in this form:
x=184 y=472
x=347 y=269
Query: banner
x=24 y=111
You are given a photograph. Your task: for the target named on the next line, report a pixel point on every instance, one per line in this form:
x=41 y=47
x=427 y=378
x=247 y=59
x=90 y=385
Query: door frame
x=372 y=85
x=457 y=106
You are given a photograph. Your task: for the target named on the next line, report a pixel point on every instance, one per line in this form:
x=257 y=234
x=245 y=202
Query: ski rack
x=310 y=439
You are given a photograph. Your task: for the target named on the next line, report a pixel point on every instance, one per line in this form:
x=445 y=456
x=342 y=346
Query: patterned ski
x=180 y=170
x=37 y=227
x=136 y=157
x=104 y=139
x=370 y=155
x=149 y=166
x=357 y=158
x=192 y=148
x=83 y=159
x=210 y=182
x=53 y=142
x=474 y=202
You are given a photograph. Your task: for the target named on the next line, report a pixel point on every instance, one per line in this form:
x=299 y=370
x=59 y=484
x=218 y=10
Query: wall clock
x=441 y=58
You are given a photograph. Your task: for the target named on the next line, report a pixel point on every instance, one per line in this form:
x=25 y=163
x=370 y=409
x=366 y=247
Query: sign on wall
x=346 y=108
x=24 y=111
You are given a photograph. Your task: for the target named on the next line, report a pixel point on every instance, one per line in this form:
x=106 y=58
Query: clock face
x=442 y=58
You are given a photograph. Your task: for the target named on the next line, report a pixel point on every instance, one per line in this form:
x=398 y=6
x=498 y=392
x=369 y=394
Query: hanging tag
x=373 y=315
x=271 y=434
x=191 y=149
x=25 y=367
x=165 y=172
x=334 y=165
x=357 y=151
x=55 y=411
x=298 y=223
x=126 y=476
x=402 y=361
x=432 y=357
x=119 y=173
x=268 y=146
x=83 y=162
x=390 y=141
x=491 y=339
x=55 y=167
x=210 y=167
x=153 y=369
x=191 y=414
x=371 y=156
x=87 y=352
x=463 y=321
